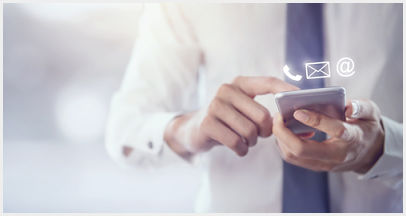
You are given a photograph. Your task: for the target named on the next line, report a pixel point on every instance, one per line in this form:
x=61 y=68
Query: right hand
x=233 y=118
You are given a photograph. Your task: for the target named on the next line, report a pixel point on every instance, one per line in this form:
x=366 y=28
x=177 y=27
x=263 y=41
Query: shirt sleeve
x=389 y=167
x=160 y=82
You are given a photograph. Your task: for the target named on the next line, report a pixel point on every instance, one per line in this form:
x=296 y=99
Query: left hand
x=353 y=145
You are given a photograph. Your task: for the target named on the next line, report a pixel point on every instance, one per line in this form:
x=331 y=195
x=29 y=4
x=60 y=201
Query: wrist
x=172 y=136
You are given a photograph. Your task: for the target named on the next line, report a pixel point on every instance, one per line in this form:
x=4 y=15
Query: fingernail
x=301 y=115
x=355 y=109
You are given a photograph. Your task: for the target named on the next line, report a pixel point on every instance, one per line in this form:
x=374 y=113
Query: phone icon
x=295 y=77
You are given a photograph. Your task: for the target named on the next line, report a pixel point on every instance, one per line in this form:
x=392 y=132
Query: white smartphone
x=328 y=101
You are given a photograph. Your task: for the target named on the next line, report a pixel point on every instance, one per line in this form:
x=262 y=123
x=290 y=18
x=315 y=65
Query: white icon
x=317 y=70
x=345 y=67
x=295 y=77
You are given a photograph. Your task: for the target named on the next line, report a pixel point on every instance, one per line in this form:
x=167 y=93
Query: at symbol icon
x=345 y=67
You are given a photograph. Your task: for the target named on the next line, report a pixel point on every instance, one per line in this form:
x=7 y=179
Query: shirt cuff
x=390 y=164
x=150 y=138
x=147 y=141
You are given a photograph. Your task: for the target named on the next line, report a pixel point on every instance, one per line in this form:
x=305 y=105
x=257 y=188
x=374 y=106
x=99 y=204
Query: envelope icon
x=317 y=70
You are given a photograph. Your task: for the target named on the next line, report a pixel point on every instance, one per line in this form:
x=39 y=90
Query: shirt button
x=150 y=145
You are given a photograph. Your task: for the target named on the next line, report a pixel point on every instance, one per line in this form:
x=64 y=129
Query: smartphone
x=328 y=101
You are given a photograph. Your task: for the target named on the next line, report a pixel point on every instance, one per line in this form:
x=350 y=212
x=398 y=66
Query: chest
x=249 y=40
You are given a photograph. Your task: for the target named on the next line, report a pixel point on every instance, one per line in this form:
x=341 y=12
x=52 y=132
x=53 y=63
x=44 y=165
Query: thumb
x=362 y=109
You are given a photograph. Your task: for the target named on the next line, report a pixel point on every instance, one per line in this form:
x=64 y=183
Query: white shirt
x=184 y=52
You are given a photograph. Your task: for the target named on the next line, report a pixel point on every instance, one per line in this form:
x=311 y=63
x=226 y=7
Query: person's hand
x=233 y=118
x=353 y=145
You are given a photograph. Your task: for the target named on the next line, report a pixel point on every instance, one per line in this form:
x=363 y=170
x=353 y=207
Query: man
x=200 y=87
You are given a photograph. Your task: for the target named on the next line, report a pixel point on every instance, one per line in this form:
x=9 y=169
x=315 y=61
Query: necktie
x=304 y=190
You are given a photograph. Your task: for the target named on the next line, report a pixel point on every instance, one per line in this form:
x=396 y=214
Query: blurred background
x=62 y=63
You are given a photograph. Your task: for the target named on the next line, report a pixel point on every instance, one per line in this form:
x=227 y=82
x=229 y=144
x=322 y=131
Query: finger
x=305 y=148
x=306 y=135
x=348 y=109
x=234 y=120
x=253 y=86
x=250 y=108
x=331 y=126
x=219 y=132
x=312 y=164
x=352 y=133
x=362 y=109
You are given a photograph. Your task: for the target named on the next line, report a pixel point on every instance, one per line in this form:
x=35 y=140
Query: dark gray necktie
x=304 y=190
